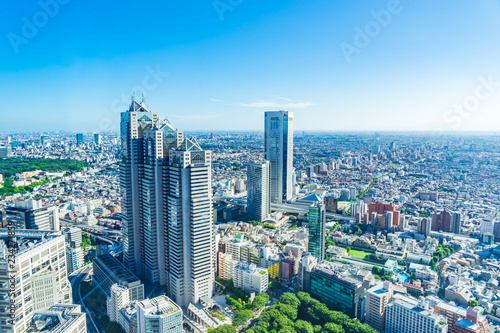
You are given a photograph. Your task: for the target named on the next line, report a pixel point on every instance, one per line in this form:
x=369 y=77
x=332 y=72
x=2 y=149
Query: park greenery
x=12 y=166
x=303 y=314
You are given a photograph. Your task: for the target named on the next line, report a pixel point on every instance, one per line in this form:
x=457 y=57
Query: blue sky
x=218 y=65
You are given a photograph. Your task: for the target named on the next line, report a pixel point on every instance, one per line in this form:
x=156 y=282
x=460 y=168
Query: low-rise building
x=407 y=315
x=159 y=315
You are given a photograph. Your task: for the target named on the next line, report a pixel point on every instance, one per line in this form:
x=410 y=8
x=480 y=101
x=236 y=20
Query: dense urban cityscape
x=231 y=166
x=155 y=230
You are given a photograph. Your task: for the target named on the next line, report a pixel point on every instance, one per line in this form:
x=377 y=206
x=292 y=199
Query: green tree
x=333 y=328
x=473 y=303
x=274 y=285
x=260 y=300
x=222 y=329
x=290 y=299
x=302 y=326
x=242 y=317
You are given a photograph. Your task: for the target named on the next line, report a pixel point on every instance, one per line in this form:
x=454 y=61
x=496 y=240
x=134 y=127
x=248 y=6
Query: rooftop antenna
x=143 y=100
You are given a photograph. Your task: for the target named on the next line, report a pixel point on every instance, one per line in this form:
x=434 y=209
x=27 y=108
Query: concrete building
x=73 y=236
x=441 y=221
x=278 y=145
x=31 y=214
x=424 y=226
x=223 y=258
x=159 y=315
x=462 y=320
x=108 y=271
x=258 y=194
x=145 y=144
x=456 y=222
x=377 y=299
x=59 y=319
x=119 y=299
x=190 y=248
x=38 y=277
x=306 y=266
x=331 y=204
x=167 y=206
x=250 y=278
x=408 y=315
x=382 y=208
x=338 y=289
x=5 y=151
x=74 y=258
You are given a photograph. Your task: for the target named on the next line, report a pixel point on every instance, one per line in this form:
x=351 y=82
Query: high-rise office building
x=145 y=141
x=44 y=139
x=317 y=230
x=97 y=139
x=190 y=246
x=38 y=277
x=79 y=139
x=32 y=214
x=279 y=152
x=167 y=206
x=258 y=194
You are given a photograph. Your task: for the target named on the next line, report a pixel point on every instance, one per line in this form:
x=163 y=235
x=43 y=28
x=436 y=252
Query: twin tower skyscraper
x=165 y=182
x=167 y=214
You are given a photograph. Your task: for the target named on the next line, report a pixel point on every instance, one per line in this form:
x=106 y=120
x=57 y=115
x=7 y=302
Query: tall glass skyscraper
x=165 y=181
x=317 y=230
x=279 y=152
x=258 y=191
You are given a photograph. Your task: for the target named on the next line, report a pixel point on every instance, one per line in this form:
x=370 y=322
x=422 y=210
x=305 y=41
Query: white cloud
x=216 y=100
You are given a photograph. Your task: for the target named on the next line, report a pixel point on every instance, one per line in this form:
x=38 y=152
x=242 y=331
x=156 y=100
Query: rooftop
x=159 y=306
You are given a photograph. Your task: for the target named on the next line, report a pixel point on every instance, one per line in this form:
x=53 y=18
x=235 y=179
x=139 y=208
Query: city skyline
x=220 y=67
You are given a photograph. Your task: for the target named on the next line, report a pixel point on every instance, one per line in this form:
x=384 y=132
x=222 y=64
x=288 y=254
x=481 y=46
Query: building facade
x=258 y=193
x=159 y=315
x=317 y=230
x=165 y=181
x=377 y=299
x=279 y=152
x=408 y=315
x=38 y=276
x=31 y=214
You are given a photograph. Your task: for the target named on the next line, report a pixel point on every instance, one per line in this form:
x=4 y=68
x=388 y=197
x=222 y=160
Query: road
x=75 y=281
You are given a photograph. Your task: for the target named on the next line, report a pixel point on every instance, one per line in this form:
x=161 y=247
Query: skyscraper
x=190 y=246
x=79 y=139
x=97 y=139
x=317 y=230
x=279 y=152
x=167 y=205
x=258 y=195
